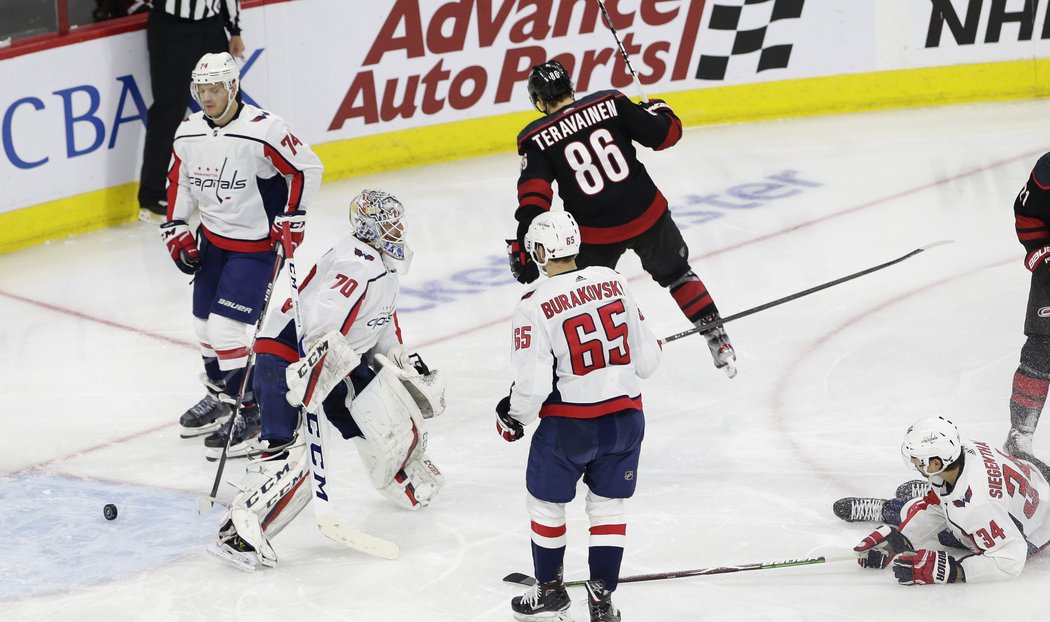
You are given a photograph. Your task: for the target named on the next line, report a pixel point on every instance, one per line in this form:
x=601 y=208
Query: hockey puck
x=110 y=511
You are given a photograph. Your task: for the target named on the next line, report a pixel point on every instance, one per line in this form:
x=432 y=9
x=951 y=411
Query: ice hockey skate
x=599 y=603
x=544 y=602
x=204 y=417
x=858 y=509
x=245 y=427
x=912 y=489
x=722 y=352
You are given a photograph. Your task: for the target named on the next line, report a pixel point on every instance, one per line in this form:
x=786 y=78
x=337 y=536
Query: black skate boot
x=912 y=489
x=246 y=427
x=855 y=509
x=545 y=602
x=206 y=415
x=599 y=602
x=722 y=352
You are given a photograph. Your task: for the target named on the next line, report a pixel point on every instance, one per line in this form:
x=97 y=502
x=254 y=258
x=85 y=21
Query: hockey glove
x=325 y=364
x=508 y=427
x=183 y=248
x=926 y=567
x=656 y=106
x=881 y=546
x=288 y=230
x=521 y=265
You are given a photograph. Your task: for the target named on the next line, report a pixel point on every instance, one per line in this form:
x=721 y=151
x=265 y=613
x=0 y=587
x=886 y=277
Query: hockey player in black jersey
x=587 y=147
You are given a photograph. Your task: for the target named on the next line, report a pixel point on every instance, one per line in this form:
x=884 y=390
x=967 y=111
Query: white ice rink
x=98 y=362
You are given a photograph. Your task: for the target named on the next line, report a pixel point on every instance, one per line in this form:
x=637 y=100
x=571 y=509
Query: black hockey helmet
x=549 y=82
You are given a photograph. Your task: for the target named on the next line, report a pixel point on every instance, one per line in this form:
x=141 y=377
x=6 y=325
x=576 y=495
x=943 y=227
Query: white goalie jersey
x=580 y=347
x=999 y=508
x=241 y=176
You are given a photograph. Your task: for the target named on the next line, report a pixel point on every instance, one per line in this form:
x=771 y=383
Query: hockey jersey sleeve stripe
x=538 y=192
x=1035 y=180
x=173 y=183
x=674 y=134
x=295 y=189
x=266 y=345
x=590 y=411
x=641 y=224
x=310 y=275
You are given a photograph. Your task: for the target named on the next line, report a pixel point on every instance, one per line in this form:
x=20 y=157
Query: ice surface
x=99 y=361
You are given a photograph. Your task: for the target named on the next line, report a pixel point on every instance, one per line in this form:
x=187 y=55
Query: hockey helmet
x=216 y=69
x=376 y=218
x=549 y=82
x=558 y=234
x=929 y=438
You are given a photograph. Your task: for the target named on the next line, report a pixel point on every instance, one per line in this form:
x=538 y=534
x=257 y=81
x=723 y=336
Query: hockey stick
x=204 y=504
x=524 y=579
x=623 y=52
x=328 y=522
x=812 y=290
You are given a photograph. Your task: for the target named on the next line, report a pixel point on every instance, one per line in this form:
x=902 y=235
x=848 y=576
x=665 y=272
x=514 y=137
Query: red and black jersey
x=1032 y=207
x=588 y=149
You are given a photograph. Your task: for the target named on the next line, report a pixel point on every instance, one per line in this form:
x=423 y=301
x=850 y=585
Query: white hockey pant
x=273 y=492
x=393 y=448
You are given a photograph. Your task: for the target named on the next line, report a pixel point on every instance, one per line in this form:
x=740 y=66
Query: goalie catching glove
x=325 y=364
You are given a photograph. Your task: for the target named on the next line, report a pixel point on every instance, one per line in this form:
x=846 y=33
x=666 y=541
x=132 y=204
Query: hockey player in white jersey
x=246 y=173
x=582 y=324
x=994 y=507
x=370 y=388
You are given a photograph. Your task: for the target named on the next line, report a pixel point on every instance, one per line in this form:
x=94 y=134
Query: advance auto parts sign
x=468 y=58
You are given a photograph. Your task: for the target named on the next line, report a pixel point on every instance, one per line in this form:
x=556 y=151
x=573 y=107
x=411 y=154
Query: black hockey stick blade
x=806 y=292
x=523 y=579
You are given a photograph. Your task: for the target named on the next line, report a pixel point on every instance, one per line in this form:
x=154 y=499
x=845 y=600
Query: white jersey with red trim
x=999 y=507
x=240 y=175
x=350 y=290
x=580 y=347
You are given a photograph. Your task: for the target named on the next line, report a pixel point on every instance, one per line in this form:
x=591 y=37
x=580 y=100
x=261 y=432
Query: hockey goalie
x=354 y=370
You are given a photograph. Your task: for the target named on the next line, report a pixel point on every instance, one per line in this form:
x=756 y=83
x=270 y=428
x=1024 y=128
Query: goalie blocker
x=391 y=439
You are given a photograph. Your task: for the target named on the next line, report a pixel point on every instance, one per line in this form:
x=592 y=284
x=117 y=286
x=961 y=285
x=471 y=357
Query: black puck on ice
x=110 y=511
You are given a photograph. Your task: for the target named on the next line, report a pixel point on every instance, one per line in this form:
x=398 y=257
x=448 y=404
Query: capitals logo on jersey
x=966 y=498
x=218 y=179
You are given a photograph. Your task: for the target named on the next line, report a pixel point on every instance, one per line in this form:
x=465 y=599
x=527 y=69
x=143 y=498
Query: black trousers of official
x=175 y=45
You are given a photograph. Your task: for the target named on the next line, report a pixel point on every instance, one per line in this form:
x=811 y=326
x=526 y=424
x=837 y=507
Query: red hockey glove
x=880 y=547
x=656 y=106
x=183 y=248
x=508 y=427
x=288 y=230
x=925 y=567
x=521 y=265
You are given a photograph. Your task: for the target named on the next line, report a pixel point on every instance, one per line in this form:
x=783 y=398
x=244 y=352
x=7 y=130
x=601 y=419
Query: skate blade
x=547 y=616
x=185 y=432
x=242 y=561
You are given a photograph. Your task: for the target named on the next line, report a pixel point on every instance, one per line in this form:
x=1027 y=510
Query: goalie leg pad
x=392 y=425
x=416 y=485
x=273 y=492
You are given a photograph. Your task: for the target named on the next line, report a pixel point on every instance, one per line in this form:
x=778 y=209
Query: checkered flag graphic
x=747 y=41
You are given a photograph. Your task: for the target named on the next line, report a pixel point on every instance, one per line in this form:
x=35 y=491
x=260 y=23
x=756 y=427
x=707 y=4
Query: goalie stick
x=526 y=580
x=204 y=504
x=328 y=522
x=623 y=52
x=812 y=290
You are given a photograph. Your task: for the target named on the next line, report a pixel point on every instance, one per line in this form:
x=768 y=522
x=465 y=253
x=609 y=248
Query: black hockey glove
x=656 y=106
x=521 y=265
x=881 y=546
x=508 y=427
x=1038 y=263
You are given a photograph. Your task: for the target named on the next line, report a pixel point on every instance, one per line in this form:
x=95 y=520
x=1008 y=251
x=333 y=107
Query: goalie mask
x=377 y=219
x=557 y=233
x=216 y=69
x=929 y=438
x=549 y=82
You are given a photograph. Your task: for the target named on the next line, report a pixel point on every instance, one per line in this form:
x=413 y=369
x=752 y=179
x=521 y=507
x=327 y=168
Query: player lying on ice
x=371 y=390
x=987 y=503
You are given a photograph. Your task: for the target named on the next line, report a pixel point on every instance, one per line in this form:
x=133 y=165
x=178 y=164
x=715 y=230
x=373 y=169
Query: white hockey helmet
x=558 y=234
x=216 y=69
x=377 y=218
x=929 y=438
